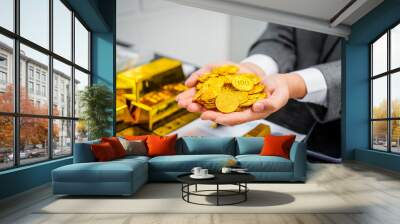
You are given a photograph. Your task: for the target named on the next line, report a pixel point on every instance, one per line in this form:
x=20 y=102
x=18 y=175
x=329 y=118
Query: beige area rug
x=166 y=198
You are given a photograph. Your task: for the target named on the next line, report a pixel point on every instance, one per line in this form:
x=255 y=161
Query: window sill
x=382 y=159
x=26 y=167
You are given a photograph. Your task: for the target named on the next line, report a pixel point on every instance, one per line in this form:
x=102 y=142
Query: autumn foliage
x=380 y=127
x=33 y=131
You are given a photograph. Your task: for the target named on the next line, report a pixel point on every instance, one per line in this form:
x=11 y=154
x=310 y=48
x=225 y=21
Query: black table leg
x=245 y=193
x=217 y=194
x=188 y=190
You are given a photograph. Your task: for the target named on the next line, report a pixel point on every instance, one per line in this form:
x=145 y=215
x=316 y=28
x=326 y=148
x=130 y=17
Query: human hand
x=280 y=88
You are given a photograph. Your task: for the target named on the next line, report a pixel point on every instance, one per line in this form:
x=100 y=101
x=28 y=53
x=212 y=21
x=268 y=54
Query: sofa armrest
x=298 y=156
x=83 y=152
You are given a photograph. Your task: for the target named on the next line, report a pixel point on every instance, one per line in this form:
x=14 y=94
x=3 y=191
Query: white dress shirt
x=313 y=78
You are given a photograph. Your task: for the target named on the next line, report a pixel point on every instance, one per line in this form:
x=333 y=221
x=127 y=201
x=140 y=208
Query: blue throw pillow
x=207 y=145
x=249 y=145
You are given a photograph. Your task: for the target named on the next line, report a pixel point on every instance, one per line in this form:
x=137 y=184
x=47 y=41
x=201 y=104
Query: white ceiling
x=321 y=9
x=315 y=15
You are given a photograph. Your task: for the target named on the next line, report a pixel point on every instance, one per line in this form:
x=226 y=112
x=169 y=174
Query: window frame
x=388 y=74
x=16 y=114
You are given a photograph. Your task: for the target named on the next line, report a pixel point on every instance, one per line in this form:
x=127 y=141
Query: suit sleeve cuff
x=317 y=89
x=264 y=62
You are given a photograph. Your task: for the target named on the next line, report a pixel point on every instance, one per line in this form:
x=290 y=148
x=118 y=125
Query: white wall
x=243 y=33
x=190 y=34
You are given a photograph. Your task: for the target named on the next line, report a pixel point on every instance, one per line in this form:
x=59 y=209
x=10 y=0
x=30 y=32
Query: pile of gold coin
x=226 y=90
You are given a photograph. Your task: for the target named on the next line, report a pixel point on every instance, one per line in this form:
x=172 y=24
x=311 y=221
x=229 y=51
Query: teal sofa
x=125 y=176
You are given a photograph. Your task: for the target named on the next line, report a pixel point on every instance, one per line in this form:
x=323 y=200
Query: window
x=38 y=89
x=7 y=14
x=30 y=87
x=34 y=21
x=62 y=30
x=6 y=73
x=385 y=94
x=3 y=72
x=37 y=74
x=62 y=137
x=81 y=45
x=44 y=91
x=48 y=82
x=3 y=61
x=3 y=78
x=30 y=72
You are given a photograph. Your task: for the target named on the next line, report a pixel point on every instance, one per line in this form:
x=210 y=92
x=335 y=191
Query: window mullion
x=16 y=84
x=73 y=83
x=50 y=81
x=389 y=104
x=371 y=89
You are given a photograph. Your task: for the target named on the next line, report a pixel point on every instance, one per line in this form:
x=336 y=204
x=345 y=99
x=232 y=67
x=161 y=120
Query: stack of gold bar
x=226 y=90
x=146 y=96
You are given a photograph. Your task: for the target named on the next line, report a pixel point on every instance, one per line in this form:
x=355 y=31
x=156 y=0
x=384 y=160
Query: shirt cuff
x=317 y=89
x=265 y=62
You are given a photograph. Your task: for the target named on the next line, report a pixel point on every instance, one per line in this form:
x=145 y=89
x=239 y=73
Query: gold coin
x=253 y=77
x=248 y=103
x=204 y=77
x=242 y=96
x=242 y=83
x=225 y=90
x=257 y=89
x=226 y=102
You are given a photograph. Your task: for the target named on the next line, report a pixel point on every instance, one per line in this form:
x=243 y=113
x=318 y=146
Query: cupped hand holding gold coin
x=231 y=94
x=226 y=90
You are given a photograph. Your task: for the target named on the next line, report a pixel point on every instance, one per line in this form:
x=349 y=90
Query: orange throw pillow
x=103 y=152
x=138 y=137
x=161 y=145
x=116 y=145
x=277 y=145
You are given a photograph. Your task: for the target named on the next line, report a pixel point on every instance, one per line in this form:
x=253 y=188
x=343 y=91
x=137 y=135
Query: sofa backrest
x=83 y=153
x=206 y=145
x=249 y=145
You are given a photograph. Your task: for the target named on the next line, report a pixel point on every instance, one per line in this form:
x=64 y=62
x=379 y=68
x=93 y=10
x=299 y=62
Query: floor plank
x=378 y=190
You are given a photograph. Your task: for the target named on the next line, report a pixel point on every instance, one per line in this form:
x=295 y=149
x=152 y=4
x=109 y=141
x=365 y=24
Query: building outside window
x=385 y=91
x=44 y=77
x=37 y=75
x=3 y=72
x=38 y=89
x=30 y=87
x=30 y=72
x=57 y=127
x=43 y=90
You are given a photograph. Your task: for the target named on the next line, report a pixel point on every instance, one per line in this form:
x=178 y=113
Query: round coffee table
x=238 y=179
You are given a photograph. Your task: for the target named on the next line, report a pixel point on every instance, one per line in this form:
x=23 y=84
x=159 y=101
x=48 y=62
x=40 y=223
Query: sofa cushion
x=161 y=145
x=277 y=145
x=129 y=159
x=257 y=163
x=120 y=170
x=249 y=145
x=206 y=145
x=116 y=145
x=103 y=152
x=134 y=147
x=185 y=163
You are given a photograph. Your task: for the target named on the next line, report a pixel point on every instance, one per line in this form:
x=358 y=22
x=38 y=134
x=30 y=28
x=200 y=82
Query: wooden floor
x=379 y=189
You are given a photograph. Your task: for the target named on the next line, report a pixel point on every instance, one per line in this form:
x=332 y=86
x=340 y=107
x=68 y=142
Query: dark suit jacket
x=294 y=49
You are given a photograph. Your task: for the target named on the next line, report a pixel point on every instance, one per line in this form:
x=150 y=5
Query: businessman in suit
x=302 y=72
